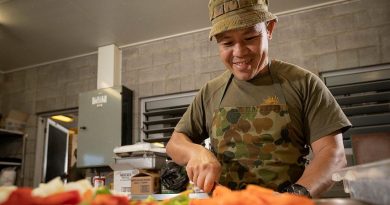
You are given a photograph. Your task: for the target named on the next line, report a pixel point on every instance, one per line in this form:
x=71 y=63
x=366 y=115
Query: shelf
x=11 y=163
x=11 y=133
x=13 y=143
x=172 y=111
x=160 y=130
x=163 y=121
x=162 y=139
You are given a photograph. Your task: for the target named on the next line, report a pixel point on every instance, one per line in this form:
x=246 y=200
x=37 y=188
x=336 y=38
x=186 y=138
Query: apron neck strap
x=225 y=88
x=277 y=85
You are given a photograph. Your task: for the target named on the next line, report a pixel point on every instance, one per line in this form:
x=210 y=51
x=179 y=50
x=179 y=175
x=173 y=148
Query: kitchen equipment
x=105 y=122
x=127 y=150
x=339 y=201
x=141 y=156
x=145 y=160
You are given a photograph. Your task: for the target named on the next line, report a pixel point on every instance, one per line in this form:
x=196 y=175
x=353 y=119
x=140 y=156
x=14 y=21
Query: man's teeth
x=241 y=63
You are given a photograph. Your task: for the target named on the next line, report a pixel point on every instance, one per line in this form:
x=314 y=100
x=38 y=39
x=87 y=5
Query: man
x=262 y=116
x=75 y=173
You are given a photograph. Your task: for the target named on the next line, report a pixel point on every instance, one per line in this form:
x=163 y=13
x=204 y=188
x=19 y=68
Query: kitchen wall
x=46 y=88
x=1 y=91
x=351 y=34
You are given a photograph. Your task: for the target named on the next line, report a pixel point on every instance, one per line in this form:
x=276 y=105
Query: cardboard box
x=15 y=125
x=145 y=182
x=18 y=116
x=15 y=120
x=122 y=178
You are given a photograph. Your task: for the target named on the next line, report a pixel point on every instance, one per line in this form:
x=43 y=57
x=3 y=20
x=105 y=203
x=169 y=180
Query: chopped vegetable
x=252 y=195
x=82 y=193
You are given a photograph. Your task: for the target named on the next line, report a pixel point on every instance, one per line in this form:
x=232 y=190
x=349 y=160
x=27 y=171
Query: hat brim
x=239 y=20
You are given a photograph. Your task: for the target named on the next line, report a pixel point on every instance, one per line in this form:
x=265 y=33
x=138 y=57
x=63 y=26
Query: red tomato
x=69 y=197
x=20 y=196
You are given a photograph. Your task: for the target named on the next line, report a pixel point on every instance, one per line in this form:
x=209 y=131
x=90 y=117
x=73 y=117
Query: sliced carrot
x=221 y=191
x=258 y=190
x=252 y=195
x=108 y=199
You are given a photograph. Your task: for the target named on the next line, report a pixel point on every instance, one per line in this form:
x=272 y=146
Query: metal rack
x=10 y=142
x=161 y=114
x=364 y=95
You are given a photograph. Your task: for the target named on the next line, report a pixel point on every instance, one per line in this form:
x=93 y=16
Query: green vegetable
x=102 y=191
x=179 y=200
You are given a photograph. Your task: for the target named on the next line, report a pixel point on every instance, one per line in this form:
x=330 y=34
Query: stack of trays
x=141 y=156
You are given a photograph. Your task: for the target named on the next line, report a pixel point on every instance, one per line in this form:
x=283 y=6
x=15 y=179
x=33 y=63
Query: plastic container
x=8 y=176
x=367 y=182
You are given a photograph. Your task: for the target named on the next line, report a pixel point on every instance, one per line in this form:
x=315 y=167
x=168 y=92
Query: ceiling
x=34 y=32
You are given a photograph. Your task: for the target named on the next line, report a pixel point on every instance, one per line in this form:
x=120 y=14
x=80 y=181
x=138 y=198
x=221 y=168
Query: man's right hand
x=202 y=166
x=203 y=169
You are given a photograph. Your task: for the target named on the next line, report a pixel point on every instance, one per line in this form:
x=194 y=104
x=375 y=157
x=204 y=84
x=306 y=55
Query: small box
x=145 y=182
x=367 y=182
x=15 y=120
x=122 y=178
x=14 y=125
x=18 y=116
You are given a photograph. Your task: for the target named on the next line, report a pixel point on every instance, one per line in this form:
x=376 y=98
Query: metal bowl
x=339 y=201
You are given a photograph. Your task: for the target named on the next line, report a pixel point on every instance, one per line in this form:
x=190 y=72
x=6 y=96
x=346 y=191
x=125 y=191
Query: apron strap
x=225 y=89
x=277 y=86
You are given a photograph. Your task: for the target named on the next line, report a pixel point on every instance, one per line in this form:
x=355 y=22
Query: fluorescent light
x=158 y=144
x=62 y=118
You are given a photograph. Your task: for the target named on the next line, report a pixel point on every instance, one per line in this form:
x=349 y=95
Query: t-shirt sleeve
x=322 y=113
x=193 y=121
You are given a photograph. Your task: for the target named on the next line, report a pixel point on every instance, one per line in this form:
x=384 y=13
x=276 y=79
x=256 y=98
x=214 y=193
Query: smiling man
x=262 y=116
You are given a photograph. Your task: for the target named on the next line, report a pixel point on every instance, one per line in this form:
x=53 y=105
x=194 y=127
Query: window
x=364 y=95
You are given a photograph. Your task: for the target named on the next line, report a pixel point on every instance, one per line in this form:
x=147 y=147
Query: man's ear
x=270 y=28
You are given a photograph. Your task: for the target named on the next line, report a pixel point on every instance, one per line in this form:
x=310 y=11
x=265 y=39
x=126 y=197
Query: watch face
x=296 y=189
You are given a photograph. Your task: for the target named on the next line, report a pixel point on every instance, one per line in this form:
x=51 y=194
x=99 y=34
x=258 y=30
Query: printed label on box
x=122 y=180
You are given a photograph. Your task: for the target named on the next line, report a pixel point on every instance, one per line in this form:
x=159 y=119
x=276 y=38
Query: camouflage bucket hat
x=227 y=15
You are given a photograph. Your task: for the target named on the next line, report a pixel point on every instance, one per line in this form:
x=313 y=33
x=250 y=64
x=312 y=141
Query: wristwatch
x=297 y=189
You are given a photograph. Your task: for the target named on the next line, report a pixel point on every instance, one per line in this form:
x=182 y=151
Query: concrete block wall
x=43 y=89
x=173 y=65
x=345 y=35
x=1 y=91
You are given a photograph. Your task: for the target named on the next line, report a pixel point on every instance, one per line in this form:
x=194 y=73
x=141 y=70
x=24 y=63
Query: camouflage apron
x=253 y=143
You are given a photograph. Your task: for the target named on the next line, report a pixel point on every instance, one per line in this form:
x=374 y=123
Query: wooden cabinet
x=12 y=152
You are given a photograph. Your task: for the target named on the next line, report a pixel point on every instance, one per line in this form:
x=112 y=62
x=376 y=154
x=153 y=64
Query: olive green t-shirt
x=313 y=110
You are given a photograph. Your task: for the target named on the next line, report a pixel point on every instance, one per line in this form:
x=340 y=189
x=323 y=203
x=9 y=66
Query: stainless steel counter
x=161 y=197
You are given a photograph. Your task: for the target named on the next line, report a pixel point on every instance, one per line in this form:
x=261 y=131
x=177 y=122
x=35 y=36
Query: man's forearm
x=329 y=156
x=180 y=148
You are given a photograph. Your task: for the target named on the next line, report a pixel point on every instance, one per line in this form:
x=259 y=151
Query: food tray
x=367 y=182
x=138 y=147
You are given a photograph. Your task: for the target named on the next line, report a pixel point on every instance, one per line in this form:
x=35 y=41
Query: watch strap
x=297 y=189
